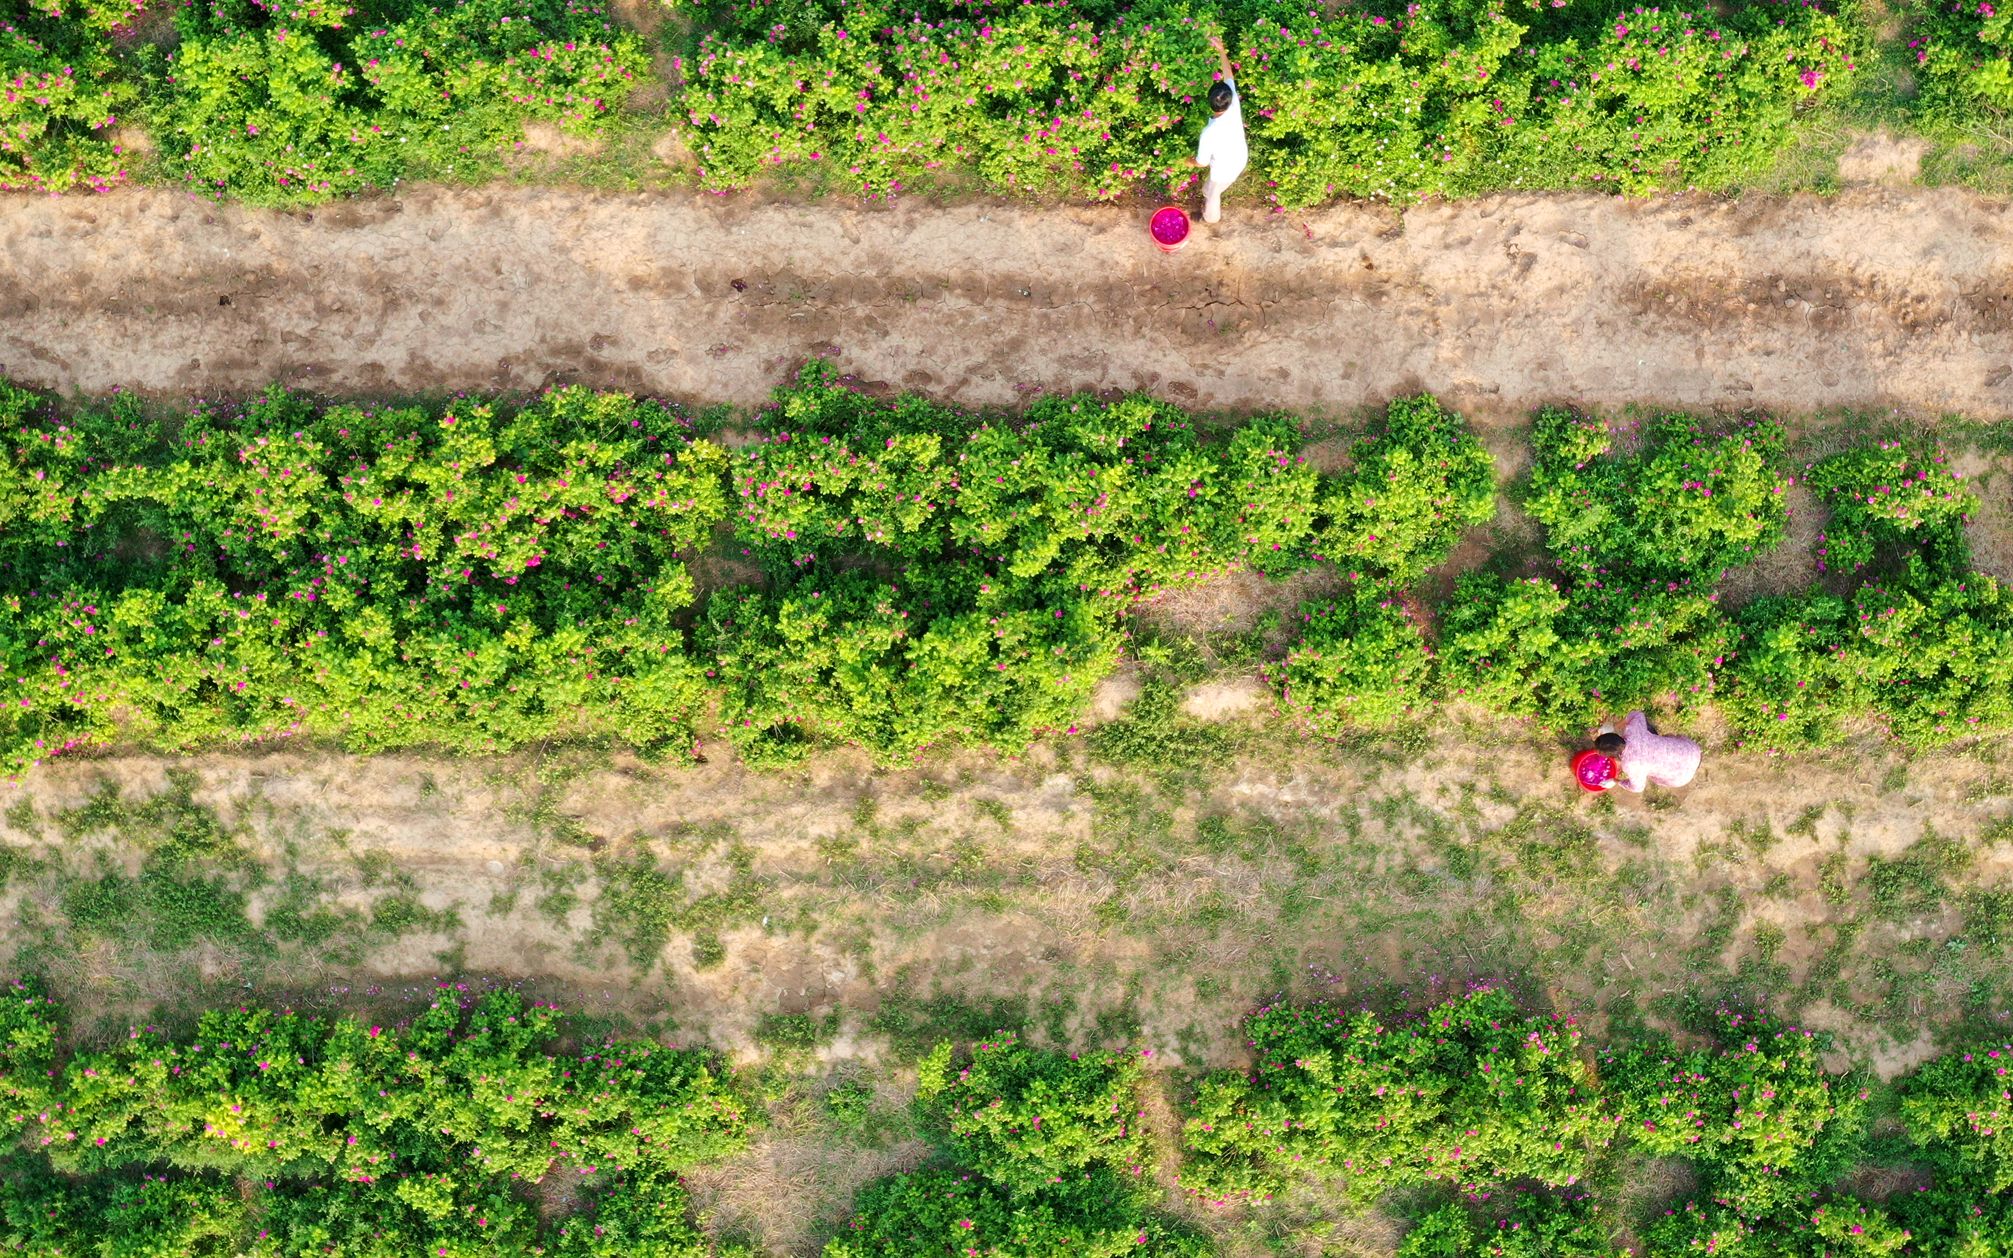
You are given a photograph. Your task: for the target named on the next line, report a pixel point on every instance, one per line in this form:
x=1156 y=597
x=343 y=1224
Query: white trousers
x=1212 y=200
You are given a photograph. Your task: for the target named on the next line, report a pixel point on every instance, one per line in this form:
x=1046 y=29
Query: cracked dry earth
x=1888 y=298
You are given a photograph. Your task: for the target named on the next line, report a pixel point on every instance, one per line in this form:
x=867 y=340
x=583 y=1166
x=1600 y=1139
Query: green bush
x=1958 y=1106
x=1795 y=674
x=398 y=1215
x=1027 y=1120
x=1473 y=1093
x=1054 y=1159
x=1958 y=1224
x=262 y=1094
x=1412 y=490
x=387 y=577
x=1756 y=1113
x=931 y=1213
x=1834 y=1228
x=1360 y=663
x=1523 y=648
x=1685 y=508
x=59 y=99
x=957 y=655
x=934 y=577
x=1388 y=101
x=296 y=102
x=1526 y=1226
x=336 y=1136
x=1936 y=653
x=28 y=1030
x=1892 y=492
x=1963 y=55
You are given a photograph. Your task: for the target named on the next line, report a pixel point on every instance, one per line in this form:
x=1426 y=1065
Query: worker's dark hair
x=1219 y=96
x=1609 y=744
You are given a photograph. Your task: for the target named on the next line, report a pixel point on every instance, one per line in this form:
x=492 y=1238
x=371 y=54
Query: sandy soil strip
x=1884 y=298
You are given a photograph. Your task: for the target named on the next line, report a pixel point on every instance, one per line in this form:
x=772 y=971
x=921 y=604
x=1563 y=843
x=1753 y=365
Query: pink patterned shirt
x=1661 y=759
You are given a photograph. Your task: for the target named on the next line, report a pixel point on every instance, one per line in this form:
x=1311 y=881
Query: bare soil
x=1877 y=298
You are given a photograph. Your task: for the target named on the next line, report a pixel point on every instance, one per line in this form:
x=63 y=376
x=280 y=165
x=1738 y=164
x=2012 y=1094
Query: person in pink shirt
x=1646 y=757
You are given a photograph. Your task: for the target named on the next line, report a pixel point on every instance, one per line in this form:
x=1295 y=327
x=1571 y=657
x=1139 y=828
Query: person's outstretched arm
x=1222 y=59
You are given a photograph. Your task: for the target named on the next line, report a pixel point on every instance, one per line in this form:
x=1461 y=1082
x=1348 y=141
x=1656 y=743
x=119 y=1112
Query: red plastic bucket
x=1591 y=768
x=1168 y=227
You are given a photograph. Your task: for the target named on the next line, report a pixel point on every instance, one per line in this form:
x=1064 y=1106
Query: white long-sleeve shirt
x=1222 y=147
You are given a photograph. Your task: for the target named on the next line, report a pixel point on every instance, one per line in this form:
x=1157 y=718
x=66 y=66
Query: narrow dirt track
x=1889 y=299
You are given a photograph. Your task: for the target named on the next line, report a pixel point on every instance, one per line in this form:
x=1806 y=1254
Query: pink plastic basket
x=1169 y=228
x=1591 y=769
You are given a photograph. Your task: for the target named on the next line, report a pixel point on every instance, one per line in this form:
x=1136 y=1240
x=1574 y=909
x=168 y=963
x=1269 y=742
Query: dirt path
x=1875 y=298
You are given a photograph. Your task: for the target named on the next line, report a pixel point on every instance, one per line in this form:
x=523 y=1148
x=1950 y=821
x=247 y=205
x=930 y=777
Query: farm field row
x=442 y=1133
x=889 y=572
x=825 y=926
x=896 y=575
x=295 y=104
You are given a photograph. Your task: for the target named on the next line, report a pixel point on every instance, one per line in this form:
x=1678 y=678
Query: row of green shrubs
x=294 y=102
x=333 y=1136
x=1385 y=100
x=896 y=574
x=1895 y=628
x=279 y=1134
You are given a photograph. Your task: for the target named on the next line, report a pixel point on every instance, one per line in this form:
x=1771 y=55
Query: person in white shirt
x=1222 y=148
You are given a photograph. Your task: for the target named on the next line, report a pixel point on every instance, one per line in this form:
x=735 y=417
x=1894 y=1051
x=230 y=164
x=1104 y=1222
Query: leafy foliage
x=1963 y=53
x=1360 y=663
x=1027 y=1119
x=1530 y=1226
x=262 y=1094
x=59 y=99
x=1413 y=488
x=1382 y=101
x=932 y=1212
x=356 y=1139
x=1756 y=1113
x=1687 y=507
x=28 y=1029
x=935 y=577
x=1924 y=653
x=1524 y=648
x=296 y=102
x=387 y=577
x=1472 y=1092
x=1058 y=1163
x=1892 y=492
x=1957 y=1105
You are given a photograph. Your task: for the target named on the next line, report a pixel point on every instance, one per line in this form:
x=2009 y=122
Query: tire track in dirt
x=1876 y=298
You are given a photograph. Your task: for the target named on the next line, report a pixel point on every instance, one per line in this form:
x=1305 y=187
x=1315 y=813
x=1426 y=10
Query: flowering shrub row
x=367 y=1139
x=1474 y=1094
x=60 y=103
x=1923 y=646
x=1051 y=1156
x=275 y=1135
x=296 y=101
x=476 y=580
x=1526 y=1225
x=299 y=101
x=930 y=577
x=383 y=576
x=1685 y=507
x=1363 y=99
